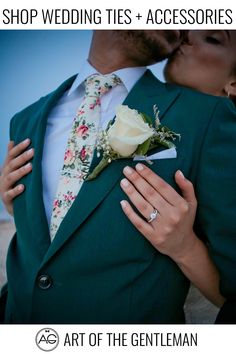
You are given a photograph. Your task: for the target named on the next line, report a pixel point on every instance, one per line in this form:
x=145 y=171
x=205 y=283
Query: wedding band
x=153 y=215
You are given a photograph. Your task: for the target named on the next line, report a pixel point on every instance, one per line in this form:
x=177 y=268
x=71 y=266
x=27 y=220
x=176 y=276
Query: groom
x=97 y=268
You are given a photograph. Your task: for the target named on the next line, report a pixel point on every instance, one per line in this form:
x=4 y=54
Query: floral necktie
x=80 y=146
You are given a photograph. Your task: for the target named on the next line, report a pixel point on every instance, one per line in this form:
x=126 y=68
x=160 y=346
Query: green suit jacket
x=99 y=268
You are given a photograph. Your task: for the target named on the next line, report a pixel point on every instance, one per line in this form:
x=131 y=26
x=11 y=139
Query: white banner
x=89 y=339
x=74 y=14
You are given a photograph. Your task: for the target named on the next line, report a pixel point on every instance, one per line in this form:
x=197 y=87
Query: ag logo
x=47 y=339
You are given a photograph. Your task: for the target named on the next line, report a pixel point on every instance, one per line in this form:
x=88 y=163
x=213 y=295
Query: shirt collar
x=128 y=76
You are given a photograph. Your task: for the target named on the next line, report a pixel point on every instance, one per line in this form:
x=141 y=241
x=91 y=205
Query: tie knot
x=97 y=85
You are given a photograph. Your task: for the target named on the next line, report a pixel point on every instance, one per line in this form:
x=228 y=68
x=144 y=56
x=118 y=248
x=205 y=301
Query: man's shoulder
x=185 y=95
x=31 y=111
x=200 y=100
x=187 y=102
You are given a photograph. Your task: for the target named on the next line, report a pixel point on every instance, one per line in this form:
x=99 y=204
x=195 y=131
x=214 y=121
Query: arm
x=14 y=168
x=172 y=232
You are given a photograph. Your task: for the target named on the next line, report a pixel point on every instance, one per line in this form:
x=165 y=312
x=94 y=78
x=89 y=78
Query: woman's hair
x=233 y=98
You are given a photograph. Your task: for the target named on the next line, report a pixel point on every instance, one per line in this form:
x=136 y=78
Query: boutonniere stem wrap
x=130 y=134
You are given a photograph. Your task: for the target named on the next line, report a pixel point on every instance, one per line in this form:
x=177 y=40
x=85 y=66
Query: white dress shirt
x=60 y=122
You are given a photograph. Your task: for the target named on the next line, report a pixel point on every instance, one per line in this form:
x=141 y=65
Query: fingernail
x=128 y=170
x=29 y=152
x=139 y=167
x=28 y=165
x=123 y=204
x=20 y=187
x=180 y=173
x=26 y=141
x=124 y=182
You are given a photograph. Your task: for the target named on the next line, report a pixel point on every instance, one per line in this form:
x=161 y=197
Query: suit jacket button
x=44 y=282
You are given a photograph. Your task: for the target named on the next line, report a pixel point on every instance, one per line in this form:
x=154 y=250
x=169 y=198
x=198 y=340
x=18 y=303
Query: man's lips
x=183 y=49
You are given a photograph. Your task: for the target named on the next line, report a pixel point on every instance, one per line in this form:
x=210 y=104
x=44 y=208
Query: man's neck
x=109 y=53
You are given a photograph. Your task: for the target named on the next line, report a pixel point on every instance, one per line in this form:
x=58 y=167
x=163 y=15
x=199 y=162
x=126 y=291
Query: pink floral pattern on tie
x=82 y=131
x=80 y=147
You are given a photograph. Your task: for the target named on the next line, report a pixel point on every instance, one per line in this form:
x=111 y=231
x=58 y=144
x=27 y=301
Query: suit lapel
x=34 y=191
x=147 y=92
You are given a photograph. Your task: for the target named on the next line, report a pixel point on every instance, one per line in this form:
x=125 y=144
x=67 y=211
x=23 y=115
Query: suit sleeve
x=216 y=194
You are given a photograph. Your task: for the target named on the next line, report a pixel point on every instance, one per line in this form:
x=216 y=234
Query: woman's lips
x=180 y=50
x=177 y=52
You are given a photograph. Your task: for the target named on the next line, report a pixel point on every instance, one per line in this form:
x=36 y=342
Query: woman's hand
x=16 y=166
x=171 y=233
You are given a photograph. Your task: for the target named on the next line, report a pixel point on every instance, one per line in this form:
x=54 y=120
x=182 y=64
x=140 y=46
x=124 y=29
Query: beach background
x=33 y=63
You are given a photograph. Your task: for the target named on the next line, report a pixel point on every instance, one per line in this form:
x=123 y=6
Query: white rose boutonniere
x=130 y=134
x=128 y=131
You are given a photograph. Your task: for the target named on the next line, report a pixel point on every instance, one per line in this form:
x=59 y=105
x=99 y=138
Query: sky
x=35 y=62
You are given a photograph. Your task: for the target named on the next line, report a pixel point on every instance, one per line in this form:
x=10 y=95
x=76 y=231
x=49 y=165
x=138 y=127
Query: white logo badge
x=47 y=339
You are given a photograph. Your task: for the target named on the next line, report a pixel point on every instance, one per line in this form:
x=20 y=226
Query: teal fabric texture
x=99 y=268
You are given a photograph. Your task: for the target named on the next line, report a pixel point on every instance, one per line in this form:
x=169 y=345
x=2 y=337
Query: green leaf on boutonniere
x=159 y=142
x=143 y=148
x=146 y=118
x=98 y=169
x=168 y=144
x=110 y=124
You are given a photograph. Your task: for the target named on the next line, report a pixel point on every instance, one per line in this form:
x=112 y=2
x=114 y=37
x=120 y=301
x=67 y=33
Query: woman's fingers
x=145 y=228
x=15 y=150
x=20 y=160
x=15 y=167
x=186 y=187
x=163 y=188
x=11 y=178
x=147 y=190
x=144 y=207
x=10 y=145
x=171 y=232
x=9 y=195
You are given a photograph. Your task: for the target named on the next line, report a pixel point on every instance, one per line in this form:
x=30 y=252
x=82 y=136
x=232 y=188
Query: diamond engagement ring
x=153 y=216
